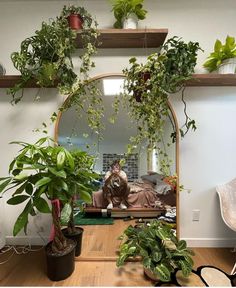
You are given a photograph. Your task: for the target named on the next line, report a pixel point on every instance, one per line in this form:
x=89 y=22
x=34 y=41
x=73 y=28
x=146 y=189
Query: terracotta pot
x=75 y=21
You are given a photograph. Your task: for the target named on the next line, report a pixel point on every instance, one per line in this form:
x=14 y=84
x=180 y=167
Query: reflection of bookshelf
x=121 y=213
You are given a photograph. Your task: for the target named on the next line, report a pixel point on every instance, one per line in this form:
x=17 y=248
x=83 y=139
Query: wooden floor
x=96 y=266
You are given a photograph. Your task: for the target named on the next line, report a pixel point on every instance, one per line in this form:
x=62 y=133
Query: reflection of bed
x=142 y=195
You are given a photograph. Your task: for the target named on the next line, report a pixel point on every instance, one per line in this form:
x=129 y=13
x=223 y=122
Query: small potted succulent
x=223 y=58
x=127 y=13
x=42 y=174
x=160 y=250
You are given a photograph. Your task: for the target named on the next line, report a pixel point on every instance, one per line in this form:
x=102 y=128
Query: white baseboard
x=27 y=240
x=211 y=242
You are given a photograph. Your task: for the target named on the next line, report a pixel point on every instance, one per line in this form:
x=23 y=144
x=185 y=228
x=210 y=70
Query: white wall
x=207 y=157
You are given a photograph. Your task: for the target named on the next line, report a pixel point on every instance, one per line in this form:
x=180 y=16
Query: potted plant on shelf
x=44 y=170
x=223 y=58
x=127 y=13
x=160 y=250
x=163 y=73
x=47 y=55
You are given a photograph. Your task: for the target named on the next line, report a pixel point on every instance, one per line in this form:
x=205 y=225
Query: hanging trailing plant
x=47 y=56
x=147 y=89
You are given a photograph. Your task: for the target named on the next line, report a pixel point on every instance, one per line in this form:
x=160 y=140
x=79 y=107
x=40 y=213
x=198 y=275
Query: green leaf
x=60 y=173
x=181 y=245
x=66 y=213
x=20 y=189
x=5 y=184
x=85 y=196
x=21 y=177
x=42 y=205
x=61 y=159
x=43 y=181
x=17 y=199
x=218 y=46
x=70 y=159
x=22 y=220
x=163 y=272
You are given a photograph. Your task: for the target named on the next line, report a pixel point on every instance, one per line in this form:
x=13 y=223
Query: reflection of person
x=116 y=186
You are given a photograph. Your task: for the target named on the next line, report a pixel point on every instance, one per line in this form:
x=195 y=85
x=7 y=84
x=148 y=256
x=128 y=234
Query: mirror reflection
x=130 y=185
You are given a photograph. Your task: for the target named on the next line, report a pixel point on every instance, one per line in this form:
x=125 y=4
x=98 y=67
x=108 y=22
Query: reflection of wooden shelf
x=120 y=213
x=8 y=81
x=130 y=38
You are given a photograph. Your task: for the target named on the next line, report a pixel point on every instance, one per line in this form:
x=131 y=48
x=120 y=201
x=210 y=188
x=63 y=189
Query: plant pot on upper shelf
x=75 y=21
x=223 y=58
x=127 y=13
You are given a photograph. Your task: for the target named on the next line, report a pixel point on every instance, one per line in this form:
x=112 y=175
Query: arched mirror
x=151 y=193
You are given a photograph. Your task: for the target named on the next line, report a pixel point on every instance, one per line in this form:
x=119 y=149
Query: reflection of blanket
x=142 y=194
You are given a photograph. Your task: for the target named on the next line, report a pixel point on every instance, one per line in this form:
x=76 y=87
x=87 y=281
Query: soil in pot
x=77 y=237
x=60 y=266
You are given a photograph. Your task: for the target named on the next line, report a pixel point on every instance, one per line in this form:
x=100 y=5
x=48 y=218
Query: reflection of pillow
x=153 y=178
x=162 y=187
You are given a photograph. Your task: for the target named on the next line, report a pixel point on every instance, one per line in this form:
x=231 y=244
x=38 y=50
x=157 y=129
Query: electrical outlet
x=196 y=215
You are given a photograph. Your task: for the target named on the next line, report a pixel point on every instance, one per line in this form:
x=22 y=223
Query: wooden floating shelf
x=212 y=80
x=130 y=38
x=198 y=80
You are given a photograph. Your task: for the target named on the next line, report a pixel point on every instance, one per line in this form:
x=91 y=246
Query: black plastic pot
x=60 y=267
x=77 y=237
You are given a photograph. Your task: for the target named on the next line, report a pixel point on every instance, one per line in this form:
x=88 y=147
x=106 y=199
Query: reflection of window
x=130 y=167
x=112 y=87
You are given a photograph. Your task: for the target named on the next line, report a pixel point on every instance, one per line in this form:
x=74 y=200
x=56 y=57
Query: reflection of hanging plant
x=167 y=72
x=47 y=55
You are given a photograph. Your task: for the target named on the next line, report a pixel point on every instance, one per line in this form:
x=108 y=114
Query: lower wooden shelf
x=198 y=80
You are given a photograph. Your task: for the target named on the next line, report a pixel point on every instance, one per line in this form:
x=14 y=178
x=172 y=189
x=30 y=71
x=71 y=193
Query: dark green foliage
x=159 y=248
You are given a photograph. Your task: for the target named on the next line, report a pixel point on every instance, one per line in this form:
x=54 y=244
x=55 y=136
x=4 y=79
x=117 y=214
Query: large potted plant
x=160 y=250
x=127 y=13
x=47 y=55
x=83 y=168
x=223 y=58
x=39 y=172
x=163 y=73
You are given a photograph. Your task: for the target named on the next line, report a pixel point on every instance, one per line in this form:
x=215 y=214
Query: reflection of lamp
x=112 y=87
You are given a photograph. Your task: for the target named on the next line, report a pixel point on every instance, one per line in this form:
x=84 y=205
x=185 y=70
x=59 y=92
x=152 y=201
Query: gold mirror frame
x=110 y=75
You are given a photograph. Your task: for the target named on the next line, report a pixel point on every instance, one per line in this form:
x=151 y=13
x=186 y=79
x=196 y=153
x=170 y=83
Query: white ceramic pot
x=130 y=22
x=228 y=66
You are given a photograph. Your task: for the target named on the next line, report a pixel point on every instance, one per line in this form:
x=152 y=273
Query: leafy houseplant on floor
x=161 y=252
x=126 y=9
x=223 y=58
x=163 y=73
x=45 y=170
x=47 y=55
x=83 y=164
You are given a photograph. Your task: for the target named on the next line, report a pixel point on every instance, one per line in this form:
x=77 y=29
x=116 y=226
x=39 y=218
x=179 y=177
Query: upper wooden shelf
x=8 y=81
x=130 y=38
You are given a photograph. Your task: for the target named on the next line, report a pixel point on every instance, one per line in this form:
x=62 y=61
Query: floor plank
x=101 y=244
